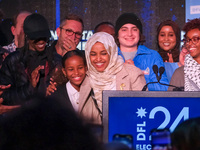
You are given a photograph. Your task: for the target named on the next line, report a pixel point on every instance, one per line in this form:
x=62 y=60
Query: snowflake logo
x=141 y=112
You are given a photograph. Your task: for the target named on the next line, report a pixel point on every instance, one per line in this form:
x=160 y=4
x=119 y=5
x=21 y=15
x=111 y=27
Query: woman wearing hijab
x=106 y=70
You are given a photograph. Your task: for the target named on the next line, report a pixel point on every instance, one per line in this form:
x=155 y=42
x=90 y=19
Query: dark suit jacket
x=61 y=95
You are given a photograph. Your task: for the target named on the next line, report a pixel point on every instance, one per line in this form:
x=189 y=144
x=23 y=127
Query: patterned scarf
x=105 y=80
x=192 y=74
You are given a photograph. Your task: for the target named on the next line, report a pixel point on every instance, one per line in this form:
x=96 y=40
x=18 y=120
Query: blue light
x=85 y=10
x=174 y=18
x=171 y=9
x=182 y=5
x=57 y=13
x=35 y=11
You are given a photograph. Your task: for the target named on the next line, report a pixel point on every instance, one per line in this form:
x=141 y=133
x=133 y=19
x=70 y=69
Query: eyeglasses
x=194 y=40
x=71 y=32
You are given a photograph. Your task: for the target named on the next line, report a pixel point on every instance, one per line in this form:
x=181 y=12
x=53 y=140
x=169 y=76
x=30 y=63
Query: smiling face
x=75 y=71
x=37 y=45
x=72 y=25
x=128 y=36
x=167 y=38
x=99 y=57
x=194 y=49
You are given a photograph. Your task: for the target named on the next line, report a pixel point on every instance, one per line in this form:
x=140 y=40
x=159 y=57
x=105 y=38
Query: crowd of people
x=114 y=58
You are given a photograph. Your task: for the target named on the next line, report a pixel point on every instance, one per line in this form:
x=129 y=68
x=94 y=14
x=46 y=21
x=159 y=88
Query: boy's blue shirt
x=144 y=59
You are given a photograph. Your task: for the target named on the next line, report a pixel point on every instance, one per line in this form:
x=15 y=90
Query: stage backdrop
x=192 y=9
x=151 y=12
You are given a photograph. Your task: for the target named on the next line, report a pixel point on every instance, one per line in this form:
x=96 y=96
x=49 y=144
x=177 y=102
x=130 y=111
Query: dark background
x=151 y=12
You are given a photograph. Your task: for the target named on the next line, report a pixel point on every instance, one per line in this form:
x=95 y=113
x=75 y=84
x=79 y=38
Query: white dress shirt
x=73 y=96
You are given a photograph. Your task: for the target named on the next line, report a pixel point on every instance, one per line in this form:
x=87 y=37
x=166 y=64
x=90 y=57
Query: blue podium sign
x=136 y=113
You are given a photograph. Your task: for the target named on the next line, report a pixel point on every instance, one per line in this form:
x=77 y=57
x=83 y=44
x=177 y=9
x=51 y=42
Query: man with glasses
x=188 y=76
x=69 y=35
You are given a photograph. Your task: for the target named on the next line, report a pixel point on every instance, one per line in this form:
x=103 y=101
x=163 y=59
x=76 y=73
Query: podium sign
x=136 y=113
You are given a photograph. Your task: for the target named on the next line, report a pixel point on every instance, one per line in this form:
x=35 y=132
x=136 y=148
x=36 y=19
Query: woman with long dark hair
x=168 y=42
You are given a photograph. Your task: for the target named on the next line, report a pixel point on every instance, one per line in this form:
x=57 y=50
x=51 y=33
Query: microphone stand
x=145 y=87
x=161 y=71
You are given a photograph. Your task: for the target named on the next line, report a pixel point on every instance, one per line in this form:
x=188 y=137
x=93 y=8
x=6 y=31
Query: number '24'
x=183 y=114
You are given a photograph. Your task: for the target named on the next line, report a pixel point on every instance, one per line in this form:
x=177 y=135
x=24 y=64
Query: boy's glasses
x=71 y=32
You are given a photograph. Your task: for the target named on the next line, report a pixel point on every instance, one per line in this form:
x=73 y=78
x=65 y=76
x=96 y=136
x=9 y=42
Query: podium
x=137 y=112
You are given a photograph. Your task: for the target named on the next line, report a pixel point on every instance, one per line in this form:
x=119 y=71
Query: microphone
x=155 y=70
x=161 y=71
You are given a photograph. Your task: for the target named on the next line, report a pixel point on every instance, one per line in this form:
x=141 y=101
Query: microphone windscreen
x=161 y=70
x=155 y=69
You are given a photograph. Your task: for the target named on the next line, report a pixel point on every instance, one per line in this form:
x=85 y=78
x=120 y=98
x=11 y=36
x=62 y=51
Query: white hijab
x=105 y=80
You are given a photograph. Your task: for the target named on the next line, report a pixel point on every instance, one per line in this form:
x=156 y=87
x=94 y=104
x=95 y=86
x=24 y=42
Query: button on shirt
x=73 y=96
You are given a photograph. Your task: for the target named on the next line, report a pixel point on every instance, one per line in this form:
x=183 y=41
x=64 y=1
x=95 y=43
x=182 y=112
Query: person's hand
x=68 y=45
x=182 y=55
x=5 y=55
x=4 y=108
x=51 y=88
x=131 y=62
x=3 y=87
x=170 y=58
x=35 y=75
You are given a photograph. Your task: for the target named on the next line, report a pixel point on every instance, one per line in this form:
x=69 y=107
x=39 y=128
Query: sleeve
x=177 y=79
x=152 y=76
x=139 y=81
x=19 y=91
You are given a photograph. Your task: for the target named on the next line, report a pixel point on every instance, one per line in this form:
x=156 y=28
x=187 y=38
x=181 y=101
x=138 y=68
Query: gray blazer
x=87 y=107
x=129 y=78
x=177 y=78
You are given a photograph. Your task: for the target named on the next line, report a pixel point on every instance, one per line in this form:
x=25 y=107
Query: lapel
x=84 y=93
x=65 y=95
x=122 y=83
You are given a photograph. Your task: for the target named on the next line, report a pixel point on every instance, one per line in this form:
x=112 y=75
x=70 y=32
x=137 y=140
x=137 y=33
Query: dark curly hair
x=191 y=24
x=176 y=50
